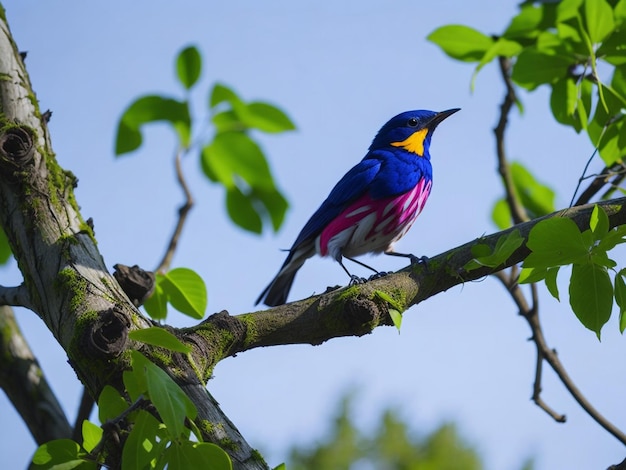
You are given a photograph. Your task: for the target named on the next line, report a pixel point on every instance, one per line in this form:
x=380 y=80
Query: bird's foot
x=379 y=275
x=332 y=288
x=418 y=259
x=356 y=280
x=421 y=261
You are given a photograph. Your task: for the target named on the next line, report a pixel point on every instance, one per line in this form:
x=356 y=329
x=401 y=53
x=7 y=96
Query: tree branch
x=600 y=180
x=518 y=213
x=544 y=352
x=182 y=217
x=26 y=386
x=531 y=315
x=357 y=310
x=15 y=296
x=68 y=283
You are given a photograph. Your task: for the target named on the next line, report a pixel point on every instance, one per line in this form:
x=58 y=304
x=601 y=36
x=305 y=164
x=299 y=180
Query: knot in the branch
x=16 y=146
x=108 y=334
x=137 y=283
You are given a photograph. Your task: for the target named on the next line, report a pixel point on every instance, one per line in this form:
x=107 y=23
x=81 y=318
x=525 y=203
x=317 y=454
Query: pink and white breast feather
x=372 y=226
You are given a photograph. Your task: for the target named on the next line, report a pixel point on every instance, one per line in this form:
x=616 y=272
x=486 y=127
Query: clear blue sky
x=340 y=69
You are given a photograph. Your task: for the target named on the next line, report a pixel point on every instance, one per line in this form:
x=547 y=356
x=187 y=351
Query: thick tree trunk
x=66 y=282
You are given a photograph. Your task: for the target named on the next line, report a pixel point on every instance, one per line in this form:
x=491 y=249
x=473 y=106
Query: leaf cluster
x=232 y=156
x=564 y=45
x=161 y=421
x=558 y=242
x=183 y=289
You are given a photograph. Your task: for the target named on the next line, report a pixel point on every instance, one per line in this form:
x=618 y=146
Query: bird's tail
x=277 y=291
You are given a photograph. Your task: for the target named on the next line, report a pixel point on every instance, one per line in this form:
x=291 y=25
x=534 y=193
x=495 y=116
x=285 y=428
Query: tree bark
x=66 y=282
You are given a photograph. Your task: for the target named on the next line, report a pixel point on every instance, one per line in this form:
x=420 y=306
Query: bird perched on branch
x=373 y=205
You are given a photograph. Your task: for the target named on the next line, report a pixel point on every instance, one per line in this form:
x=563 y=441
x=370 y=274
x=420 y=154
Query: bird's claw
x=419 y=259
x=356 y=280
x=379 y=275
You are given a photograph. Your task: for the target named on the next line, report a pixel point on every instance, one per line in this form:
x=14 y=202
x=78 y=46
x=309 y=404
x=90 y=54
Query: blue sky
x=340 y=70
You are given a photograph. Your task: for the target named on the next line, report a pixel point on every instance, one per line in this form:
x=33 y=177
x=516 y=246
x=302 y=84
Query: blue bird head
x=411 y=131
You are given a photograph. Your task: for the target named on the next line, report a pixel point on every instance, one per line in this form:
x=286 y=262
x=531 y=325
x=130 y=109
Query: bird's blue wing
x=353 y=184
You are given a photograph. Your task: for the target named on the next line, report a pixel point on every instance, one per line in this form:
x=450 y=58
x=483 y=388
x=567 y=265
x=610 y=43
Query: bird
x=372 y=206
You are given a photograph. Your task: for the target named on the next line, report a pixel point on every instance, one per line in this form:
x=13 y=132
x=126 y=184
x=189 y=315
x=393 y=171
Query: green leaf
x=607 y=128
x=275 y=204
x=158 y=336
x=211 y=457
x=135 y=379
x=501 y=214
x=169 y=399
x=599 y=19
x=227 y=121
x=142 y=446
x=601 y=258
x=235 y=154
x=502 y=47
x=242 y=211
x=60 y=454
x=186 y=292
x=563 y=101
x=567 y=10
x=534 y=68
x=531 y=275
x=505 y=247
x=525 y=23
x=156 y=304
x=550 y=43
x=551 y=275
x=613 y=48
x=150 y=109
x=599 y=223
x=189 y=66
x=223 y=94
x=613 y=238
x=267 y=118
x=620 y=298
x=396 y=318
x=92 y=435
x=461 y=42
x=236 y=161
x=110 y=404
x=394 y=308
x=184 y=455
x=591 y=295
x=620 y=11
x=537 y=198
x=555 y=242
x=387 y=298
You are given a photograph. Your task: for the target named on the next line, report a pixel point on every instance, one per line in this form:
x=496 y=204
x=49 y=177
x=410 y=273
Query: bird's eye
x=412 y=122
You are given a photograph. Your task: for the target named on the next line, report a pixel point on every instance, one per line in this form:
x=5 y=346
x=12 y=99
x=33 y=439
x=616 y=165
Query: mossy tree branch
x=66 y=282
x=357 y=310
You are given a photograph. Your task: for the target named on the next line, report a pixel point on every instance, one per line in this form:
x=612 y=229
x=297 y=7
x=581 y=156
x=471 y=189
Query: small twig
x=550 y=356
x=16 y=297
x=599 y=181
x=613 y=185
x=527 y=312
x=583 y=177
x=111 y=429
x=518 y=213
x=182 y=217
